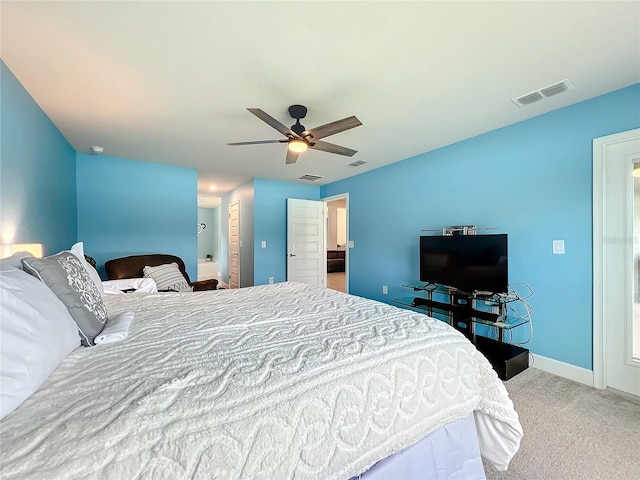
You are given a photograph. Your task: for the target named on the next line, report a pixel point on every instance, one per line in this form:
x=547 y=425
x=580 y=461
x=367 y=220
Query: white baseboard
x=566 y=370
x=222 y=284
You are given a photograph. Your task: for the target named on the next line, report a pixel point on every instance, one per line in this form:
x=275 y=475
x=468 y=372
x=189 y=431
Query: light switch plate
x=263 y=244
x=351 y=244
x=558 y=247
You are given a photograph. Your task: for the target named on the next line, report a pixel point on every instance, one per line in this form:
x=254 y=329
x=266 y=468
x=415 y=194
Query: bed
x=276 y=381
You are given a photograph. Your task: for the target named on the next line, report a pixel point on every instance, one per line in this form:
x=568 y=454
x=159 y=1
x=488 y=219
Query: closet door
x=234 y=245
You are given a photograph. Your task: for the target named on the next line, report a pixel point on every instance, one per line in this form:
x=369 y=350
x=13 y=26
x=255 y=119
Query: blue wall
x=532 y=180
x=127 y=207
x=37 y=173
x=216 y=234
x=270 y=224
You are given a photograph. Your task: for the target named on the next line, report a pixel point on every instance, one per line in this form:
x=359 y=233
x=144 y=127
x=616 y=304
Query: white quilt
x=271 y=382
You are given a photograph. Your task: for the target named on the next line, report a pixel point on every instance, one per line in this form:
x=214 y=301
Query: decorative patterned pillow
x=168 y=277
x=78 y=250
x=68 y=278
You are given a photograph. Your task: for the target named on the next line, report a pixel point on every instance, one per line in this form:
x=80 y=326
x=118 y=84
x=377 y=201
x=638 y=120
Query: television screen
x=466 y=262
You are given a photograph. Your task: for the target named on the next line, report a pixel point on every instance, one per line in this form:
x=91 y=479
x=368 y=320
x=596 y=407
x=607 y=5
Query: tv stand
x=507 y=360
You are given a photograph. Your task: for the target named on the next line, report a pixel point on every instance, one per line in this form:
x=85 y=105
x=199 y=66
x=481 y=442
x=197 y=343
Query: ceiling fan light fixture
x=297 y=146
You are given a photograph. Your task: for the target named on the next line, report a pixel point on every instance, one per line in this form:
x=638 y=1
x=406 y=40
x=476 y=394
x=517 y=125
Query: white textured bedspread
x=271 y=382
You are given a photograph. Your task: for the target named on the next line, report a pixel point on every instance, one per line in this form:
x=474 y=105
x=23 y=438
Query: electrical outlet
x=351 y=244
x=384 y=290
x=270 y=279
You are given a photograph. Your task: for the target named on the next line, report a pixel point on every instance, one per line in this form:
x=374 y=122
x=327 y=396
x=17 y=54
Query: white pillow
x=14 y=261
x=36 y=334
x=78 y=250
x=147 y=285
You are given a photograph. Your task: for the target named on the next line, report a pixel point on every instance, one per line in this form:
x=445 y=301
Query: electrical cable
x=513 y=303
x=528 y=309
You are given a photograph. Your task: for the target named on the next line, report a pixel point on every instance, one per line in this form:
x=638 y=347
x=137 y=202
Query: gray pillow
x=168 y=277
x=67 y=277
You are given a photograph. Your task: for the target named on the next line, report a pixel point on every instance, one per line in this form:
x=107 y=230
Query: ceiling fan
x=299 y=138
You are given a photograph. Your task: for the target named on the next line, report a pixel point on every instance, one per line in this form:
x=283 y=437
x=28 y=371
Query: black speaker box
x=506 y=359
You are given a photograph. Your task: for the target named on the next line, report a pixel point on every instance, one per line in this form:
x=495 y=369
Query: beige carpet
x=572 y=431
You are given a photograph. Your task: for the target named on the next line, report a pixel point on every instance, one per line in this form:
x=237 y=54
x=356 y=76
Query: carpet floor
x=572 y=431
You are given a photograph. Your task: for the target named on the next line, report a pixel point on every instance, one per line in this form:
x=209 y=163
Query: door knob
x=292 y=255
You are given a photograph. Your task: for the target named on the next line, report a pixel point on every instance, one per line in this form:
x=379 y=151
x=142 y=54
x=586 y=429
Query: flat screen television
x=466 y=262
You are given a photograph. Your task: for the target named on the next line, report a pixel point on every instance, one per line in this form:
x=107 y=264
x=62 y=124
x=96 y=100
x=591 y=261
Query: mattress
x=275 y=381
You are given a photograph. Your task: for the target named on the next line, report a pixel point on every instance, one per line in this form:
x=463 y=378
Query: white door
x=234 y=245
x=306 y=253
x=615 y=261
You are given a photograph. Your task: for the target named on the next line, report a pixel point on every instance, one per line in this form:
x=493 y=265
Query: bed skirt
x=451 y=451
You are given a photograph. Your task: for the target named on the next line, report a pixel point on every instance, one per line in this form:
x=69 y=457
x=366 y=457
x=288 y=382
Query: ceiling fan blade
x=292 y=157
x=333 y=128
x=331 y=148
x=258 y=142
x=268 y=119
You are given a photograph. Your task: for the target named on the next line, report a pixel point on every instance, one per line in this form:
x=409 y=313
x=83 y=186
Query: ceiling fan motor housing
x=298 y=112
x=298 y=128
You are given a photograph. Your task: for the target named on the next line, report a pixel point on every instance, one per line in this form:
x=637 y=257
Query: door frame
x=345 y=197
x=600 y=149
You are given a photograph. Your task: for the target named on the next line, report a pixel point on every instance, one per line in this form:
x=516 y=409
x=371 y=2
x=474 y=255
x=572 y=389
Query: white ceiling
x=170 y=81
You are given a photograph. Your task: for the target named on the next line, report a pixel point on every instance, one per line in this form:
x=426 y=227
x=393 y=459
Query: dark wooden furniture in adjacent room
x=335 y=261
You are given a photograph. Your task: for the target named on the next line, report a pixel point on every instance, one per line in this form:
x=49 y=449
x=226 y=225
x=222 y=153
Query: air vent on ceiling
x=357 y=163
x=530 y=98
x=544 y=92
x=311 y=178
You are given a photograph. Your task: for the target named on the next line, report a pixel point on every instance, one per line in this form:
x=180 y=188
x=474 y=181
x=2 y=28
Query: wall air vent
x=357 y=163
x=544 y=92
x=311 y=178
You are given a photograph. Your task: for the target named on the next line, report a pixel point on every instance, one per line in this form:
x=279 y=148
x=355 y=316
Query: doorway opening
x=208 y=243
x=337 y=242
x=615 y=356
